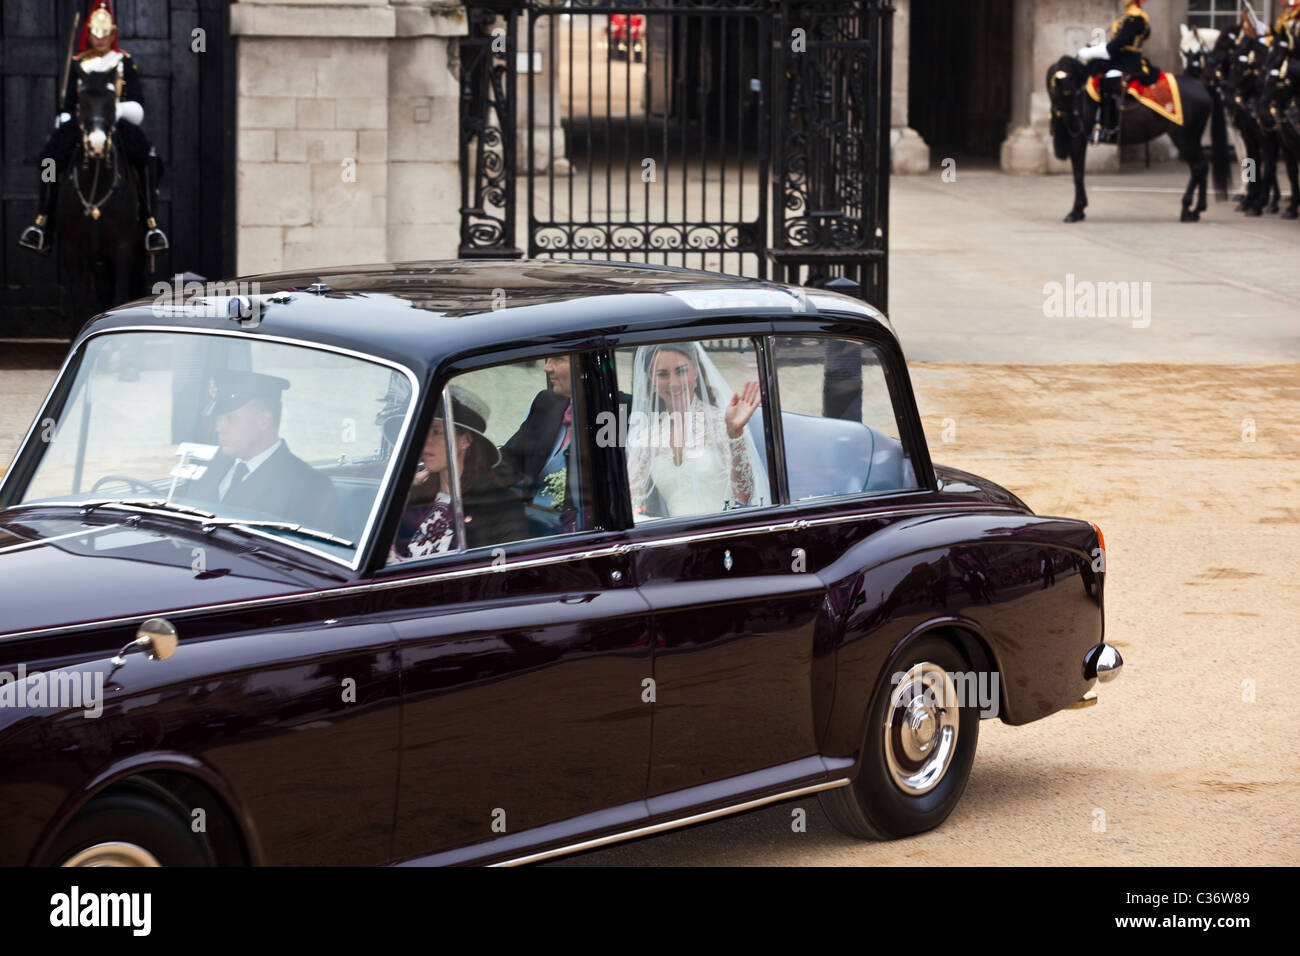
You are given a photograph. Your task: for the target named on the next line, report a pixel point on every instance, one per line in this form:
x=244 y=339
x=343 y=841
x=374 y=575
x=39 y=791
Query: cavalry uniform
x=1288 y=21
x=62 y=143
x=1121 y=56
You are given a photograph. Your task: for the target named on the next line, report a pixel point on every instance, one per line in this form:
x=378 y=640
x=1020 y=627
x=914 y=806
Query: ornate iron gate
x=742 y=136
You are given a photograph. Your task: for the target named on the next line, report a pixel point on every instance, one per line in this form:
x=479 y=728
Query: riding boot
x=1112 y=85
x=37 y=236
x=155 y=240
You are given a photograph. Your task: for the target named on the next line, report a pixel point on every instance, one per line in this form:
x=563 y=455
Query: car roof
x=419 y=313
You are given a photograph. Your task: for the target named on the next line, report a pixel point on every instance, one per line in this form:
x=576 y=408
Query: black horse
x=97 y=215
x=1276 y=110
x=1074 y=112
x=1242 y=86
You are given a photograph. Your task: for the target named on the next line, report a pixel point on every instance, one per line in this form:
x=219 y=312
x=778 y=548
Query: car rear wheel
x=129 y=829
x=919 y=749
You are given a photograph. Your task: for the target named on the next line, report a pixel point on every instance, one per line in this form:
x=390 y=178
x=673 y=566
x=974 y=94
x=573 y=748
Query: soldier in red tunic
x=99 y=53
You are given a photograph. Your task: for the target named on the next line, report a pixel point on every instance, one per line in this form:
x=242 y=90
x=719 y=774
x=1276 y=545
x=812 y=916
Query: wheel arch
x=178 y=780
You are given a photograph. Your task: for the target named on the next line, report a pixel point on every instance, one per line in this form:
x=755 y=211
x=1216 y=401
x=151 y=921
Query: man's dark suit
x=529 y=449
x=526 y=453
x=283 y=488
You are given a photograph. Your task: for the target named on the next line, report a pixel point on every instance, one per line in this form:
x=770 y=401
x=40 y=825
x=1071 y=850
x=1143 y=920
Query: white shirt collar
x=254 y=462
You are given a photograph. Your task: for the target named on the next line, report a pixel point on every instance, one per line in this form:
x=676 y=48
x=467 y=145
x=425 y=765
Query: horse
x=1242 y=86
x=1277 y=107
x=1074 y=112
x=97 y=214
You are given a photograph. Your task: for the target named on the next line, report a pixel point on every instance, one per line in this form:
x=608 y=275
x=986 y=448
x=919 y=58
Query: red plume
x=85 y=26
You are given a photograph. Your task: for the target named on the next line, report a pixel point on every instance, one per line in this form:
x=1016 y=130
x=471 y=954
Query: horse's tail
x=1219 y=146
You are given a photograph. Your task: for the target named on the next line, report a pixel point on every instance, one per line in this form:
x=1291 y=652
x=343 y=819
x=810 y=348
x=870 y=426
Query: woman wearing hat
x=493 y=514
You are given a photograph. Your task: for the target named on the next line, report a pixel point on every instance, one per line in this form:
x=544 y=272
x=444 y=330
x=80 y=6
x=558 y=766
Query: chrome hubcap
x=112 y=854
x=921 y=728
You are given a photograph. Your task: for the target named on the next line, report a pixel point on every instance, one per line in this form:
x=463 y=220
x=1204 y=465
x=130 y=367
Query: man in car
x=255 y=471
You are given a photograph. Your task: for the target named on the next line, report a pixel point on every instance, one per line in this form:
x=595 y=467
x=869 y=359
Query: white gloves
x=61 y=119
x=1097 y=52
x=131 y=111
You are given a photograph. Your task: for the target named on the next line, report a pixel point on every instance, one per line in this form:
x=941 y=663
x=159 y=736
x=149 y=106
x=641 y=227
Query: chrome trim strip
x=671 y=824
x=380 y=498
x=371 y=586
x=59 y=537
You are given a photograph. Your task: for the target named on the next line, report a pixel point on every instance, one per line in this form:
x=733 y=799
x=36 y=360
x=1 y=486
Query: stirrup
x=1102 y=136
x=35 y=238
x=155 y=240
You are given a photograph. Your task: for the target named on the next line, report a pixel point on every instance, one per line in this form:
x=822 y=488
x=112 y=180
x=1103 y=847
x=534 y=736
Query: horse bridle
x=88 y=207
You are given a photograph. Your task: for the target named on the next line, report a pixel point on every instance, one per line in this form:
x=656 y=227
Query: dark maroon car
x=449 y=562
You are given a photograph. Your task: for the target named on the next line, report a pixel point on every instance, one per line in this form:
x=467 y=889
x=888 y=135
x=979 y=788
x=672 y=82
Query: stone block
x=315 y=145
x=359 y=201
x=259 y=249
x=315 y=114
x=273 y=68
x=255 y=145
x=423 y=193
x=273 y=194
x=337 y=246
x=265 y=112
x=354 y=112
x=372 y=146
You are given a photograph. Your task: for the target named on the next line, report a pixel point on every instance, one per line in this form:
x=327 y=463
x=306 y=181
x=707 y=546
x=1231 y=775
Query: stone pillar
x=908 y=152
x=424 y=130
x=1024 y=150
x=346 y=142
x=1046 y=30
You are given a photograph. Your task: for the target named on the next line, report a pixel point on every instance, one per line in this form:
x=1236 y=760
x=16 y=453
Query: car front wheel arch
x=137 y=821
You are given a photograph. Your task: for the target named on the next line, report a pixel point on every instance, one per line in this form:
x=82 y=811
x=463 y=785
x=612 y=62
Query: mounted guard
x=1119 y=60
x=99 y=55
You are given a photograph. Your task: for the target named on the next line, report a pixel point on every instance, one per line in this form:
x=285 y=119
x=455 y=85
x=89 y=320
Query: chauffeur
x=255 y=471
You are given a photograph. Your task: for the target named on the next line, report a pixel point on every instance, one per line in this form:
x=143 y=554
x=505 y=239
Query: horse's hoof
x=1291 y=214
x=1191 y=216
x=1075 y=215
x=1272 y=210
x=1254 y=212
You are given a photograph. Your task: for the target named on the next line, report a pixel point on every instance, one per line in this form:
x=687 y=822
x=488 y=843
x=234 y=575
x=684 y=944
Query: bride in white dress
x=687 y=438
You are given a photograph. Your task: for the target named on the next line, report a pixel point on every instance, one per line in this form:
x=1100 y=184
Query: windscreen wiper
x=143 y=504
x=280 y=526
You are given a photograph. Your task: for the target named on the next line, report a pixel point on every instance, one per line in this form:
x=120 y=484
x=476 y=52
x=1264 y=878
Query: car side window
x=690 y=423
x=840 y=427
x=521 y=462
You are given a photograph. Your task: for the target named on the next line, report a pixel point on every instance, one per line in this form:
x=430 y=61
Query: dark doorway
x=188 y=80
x=959 y=78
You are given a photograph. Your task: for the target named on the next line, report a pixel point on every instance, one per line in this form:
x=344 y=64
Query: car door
x=741 y=679
x=523 y=660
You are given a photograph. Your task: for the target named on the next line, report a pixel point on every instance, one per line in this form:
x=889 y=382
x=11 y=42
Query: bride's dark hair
x=702 y=390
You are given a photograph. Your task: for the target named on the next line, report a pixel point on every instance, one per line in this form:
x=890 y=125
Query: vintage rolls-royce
x=451 y=562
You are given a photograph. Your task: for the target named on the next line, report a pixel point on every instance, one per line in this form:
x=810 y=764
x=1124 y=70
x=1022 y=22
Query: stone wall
x=347 y=131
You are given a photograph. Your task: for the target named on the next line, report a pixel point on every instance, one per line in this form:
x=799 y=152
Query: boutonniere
x=556 y=484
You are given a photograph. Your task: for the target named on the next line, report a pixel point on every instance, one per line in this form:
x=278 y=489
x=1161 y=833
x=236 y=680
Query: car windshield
x=290 y=440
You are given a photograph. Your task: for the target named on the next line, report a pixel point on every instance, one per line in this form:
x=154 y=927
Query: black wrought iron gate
x=188 y=81
x=741 y=136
